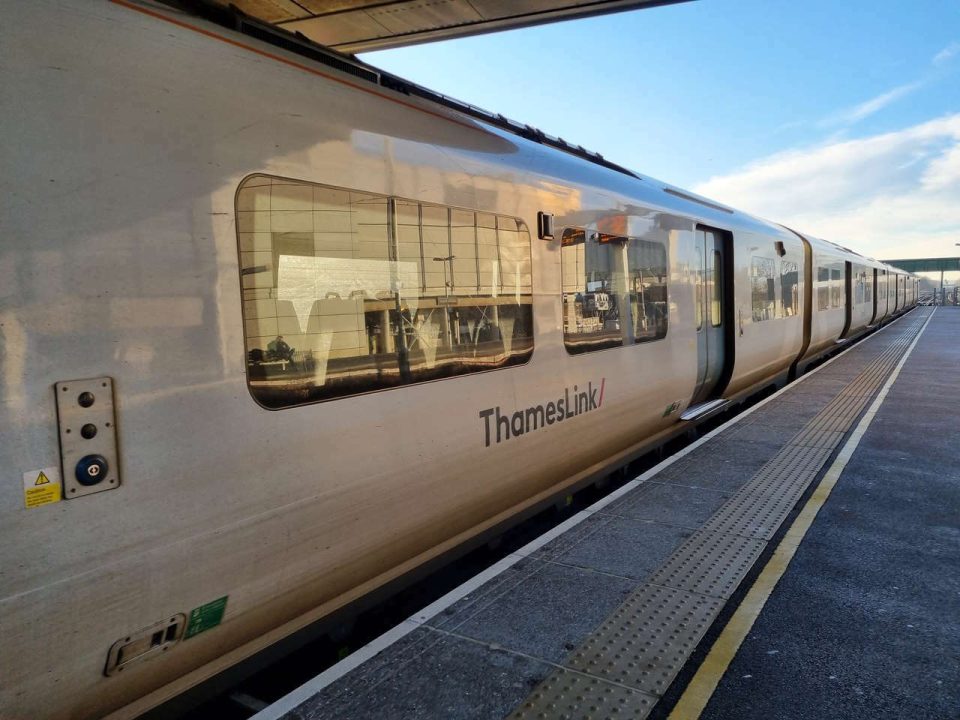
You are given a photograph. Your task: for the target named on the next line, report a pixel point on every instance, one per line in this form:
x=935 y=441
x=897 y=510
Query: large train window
x=614 y=290
x=347 y=292
x=762 y=288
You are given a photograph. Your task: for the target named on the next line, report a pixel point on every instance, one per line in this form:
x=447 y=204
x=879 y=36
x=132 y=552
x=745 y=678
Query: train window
x=698 y=285
x=823 y=288
x=347 y=292
x=868 y=286
x=715 y=279
x=789 y=288
x=837 y=289
x=762 y=289
x=647 y=289
x=614 y=290
x=831 y=286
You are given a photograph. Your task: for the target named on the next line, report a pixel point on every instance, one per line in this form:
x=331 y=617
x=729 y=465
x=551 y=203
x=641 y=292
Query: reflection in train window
x=762 y=290
x=862 y=292
x=831 y=286
x=347 y=292
x=837 y=289
x=789 y=288
x=715 y=281
x=614 y=290
x=698 y=285
x=823 y=288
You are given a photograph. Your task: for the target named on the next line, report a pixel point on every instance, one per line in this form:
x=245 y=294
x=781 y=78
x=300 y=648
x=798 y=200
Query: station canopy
x=918 y=265
x=353 y=26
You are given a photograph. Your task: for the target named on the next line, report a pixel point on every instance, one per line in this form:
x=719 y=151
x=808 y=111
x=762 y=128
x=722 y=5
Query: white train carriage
x=336 y=327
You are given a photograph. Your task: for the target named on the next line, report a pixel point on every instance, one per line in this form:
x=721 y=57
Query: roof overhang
x=353 y=26
x=916 y=265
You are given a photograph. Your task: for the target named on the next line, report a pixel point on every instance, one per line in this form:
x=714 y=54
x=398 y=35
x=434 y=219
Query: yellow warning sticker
x=41 y=487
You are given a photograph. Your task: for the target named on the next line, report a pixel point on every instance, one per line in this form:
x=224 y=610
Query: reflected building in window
x=347 y=292
x=614 y=290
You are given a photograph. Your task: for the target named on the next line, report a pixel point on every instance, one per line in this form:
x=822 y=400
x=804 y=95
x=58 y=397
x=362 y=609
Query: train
x=280 y=329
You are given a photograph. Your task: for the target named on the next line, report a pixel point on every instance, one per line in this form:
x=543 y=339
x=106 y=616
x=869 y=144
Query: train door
x=711 y=309
x=886 y=293
x=848 y=297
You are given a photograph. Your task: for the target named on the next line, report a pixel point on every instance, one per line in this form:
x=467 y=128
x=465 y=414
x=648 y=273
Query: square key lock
x=88 y=436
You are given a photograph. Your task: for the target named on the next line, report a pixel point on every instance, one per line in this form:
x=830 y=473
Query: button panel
x=88 y=436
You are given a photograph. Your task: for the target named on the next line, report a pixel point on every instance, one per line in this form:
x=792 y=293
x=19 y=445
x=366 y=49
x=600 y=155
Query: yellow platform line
x=701 y=688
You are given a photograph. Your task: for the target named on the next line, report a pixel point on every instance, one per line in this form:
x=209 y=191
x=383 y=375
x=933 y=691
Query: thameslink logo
x=510 y=425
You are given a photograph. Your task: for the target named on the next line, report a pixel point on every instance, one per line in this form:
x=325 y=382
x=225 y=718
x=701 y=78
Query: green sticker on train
x=205 y=617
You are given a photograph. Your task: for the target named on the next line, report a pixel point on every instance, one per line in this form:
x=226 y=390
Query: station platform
x=801 y=561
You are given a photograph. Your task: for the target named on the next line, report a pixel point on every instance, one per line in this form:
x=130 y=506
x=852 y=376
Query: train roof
x=622 y=180
x=852 y=255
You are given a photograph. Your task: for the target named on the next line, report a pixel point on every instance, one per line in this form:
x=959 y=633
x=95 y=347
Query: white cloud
x=871 y=106
x=947 y=53
x=890 y=195
x=852 y=115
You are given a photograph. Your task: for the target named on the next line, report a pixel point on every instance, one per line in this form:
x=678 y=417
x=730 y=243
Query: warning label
x=41 y=487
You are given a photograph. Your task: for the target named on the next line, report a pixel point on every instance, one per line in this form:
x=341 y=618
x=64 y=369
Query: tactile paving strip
x=568 y=695
x=758 y=508
x=647 y=639
x=833 y=421
x=818 y=437
x=709 y=563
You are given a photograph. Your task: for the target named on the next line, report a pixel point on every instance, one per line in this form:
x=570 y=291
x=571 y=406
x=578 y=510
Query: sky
x=840 y=119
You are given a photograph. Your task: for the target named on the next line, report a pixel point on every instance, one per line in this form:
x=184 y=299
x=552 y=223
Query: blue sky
x=841 y=118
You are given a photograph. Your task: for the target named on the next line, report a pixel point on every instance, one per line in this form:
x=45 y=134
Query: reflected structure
x=346 y=292
x=614 y=290
x=762 y=288
x=789 y=288
x=830 y=286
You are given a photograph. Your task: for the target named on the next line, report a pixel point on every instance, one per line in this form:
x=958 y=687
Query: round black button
x=85 y=399
x=91 y=469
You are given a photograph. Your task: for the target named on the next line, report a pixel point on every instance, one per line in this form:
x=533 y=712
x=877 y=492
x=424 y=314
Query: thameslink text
x=509 y=425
